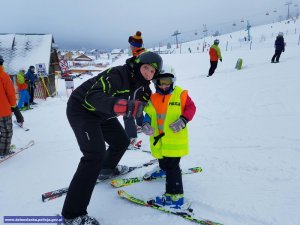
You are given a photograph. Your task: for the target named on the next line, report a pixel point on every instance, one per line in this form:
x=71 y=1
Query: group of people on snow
x=92 y=112
x=26 y=87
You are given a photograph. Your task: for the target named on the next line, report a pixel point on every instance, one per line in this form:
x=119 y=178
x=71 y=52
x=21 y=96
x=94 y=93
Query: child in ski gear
x=23 y=92
x=132 y=125
x=279 y=48
x=167 y=114
x=30 y=76
x=215 y=55
x=92 y=112
x=8 y=104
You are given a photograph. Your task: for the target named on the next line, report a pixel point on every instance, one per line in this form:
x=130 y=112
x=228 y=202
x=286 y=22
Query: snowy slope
x=245 y=135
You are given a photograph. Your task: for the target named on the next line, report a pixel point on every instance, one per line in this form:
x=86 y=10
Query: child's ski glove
x=178 y=124
x=147 y=129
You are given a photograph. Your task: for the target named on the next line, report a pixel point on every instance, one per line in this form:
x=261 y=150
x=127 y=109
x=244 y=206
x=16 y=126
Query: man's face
x=147 y=71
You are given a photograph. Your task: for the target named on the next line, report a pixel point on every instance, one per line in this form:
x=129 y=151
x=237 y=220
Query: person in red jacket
x=8 y=104
x=215 y=55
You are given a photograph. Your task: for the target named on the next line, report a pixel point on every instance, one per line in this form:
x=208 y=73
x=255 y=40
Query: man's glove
x=18 y=114
x=221 y=60
x=147 y=129
x=178 y=124
x=129 y=108
x=144 y=95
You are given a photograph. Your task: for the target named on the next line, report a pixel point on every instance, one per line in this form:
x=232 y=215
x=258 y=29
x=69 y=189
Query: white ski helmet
x=167 y=71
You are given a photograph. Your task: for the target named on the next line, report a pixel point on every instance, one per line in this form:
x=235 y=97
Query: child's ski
x=184 y=215
x=63 y=191
x=128 y=181
x=16 y=151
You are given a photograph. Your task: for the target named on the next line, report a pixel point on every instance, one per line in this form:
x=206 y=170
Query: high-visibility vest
x=163 y=111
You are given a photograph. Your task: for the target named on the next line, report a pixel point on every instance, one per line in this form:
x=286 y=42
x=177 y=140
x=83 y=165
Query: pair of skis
x=117 y=183
x=186 y=215
x=63 y=191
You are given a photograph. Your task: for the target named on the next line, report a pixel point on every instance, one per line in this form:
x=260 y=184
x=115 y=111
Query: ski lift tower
x=248 y=29
x=176 y=33
x=288 y=5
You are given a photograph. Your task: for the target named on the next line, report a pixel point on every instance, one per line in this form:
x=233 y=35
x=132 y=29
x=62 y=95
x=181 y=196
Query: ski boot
x=109 y=173
x=156 y=172
x=82 y=220
x=173 y=202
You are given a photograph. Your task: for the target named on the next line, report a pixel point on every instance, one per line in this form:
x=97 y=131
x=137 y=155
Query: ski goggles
x=164 y=81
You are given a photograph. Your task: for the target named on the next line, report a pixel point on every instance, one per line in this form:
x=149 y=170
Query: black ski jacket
x=279 y=43
x=99 y=94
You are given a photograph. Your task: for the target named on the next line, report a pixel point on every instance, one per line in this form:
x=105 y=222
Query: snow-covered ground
x=245 y=135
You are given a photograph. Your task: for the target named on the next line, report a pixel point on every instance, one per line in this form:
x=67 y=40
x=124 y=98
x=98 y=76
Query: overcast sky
x=107 y=24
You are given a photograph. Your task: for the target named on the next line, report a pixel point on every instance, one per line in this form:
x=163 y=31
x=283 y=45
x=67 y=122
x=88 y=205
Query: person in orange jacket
x=215 y=55
x=8 y=104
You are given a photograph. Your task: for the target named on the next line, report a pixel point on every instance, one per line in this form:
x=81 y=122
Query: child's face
x=164 y=87
x=147 y=71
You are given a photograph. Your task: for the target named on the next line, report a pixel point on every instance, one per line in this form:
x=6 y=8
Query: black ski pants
x=213 y=67
x=31 y=92
x=173 y=174
x=91 y=134
x=276 y=55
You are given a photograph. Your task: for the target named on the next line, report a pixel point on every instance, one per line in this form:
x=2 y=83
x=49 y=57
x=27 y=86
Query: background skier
x=279 y=48
x=133 y=125
x=215 y=55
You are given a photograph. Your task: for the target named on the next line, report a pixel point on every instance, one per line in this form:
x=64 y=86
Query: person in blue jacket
x=30 y=76
x=279 y=48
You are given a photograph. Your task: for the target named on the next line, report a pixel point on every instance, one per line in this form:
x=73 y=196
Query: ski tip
x=115 y=183
x=121 y=192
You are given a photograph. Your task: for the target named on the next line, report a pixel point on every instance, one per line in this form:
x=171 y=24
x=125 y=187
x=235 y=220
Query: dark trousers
x=6 y=133
x=130 y=125
x=213 y=66
x=31 y=92
x=91 y=134
x=173 y=174
x=276 y=55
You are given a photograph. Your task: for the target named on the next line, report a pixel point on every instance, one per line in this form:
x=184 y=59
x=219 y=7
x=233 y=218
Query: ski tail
x=117 y=183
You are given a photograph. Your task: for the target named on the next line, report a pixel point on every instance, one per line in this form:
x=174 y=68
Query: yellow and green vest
x=163 y=111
